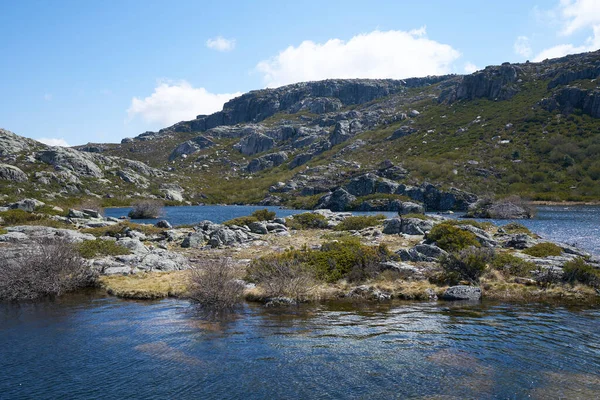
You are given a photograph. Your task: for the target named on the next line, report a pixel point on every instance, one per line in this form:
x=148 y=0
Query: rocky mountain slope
x=530 y=129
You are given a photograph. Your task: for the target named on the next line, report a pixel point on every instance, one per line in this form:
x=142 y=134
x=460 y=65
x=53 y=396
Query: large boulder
x=255 y=143
x=339 y=200
x=363 y=185
x=28 y=205
x=11 y=144
x=12 y=173
x=408 y=226
x=34 y=232
x=153 y=260
x=501 y=209
x=422 y=252
x=228 y=237
x=493 y=83
x=80 y=163
x=267 y=161
x=462 y=292
x=518 y=241
x=436 y=199
x=191 y=146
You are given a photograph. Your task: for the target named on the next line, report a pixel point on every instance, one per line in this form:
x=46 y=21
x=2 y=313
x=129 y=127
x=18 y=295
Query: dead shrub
x=146 y=209
x=214 y=285
x=282 y=277
x=91 y=203
x=46 y=268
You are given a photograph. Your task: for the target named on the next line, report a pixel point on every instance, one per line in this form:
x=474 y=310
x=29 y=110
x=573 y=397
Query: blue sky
x=85 y=71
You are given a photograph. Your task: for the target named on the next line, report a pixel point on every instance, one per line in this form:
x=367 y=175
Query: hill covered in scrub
x=531 y=129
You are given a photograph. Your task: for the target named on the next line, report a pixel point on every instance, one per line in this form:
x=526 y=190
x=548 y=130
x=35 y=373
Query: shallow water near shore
x=93 y=346
x=579 y=225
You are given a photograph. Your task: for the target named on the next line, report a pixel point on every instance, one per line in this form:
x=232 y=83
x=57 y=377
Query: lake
x=579 y=225
x=89 y=346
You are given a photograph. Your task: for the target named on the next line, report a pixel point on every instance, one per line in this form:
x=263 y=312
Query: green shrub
x=119 y=229
x=580 y=271
x=543 y=250
x=511 y=265
x=264 y=215
x=3 y=231
x=241 y=221
x=450 y=238
x=18 y=217
x=99 y=247
x=472 y=222
x=358 y=222
x=415 y=215
x=514 y=227
x=345 y=258
x=307 y=221
x=49 y=210
x=466 y=265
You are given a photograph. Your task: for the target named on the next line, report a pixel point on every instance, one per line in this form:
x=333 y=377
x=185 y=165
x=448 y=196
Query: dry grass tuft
x=151 y=285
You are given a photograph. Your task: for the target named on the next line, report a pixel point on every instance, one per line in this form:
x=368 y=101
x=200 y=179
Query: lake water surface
x=93 y=347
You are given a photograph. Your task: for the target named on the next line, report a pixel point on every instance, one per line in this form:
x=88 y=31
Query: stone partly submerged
x=462 y=292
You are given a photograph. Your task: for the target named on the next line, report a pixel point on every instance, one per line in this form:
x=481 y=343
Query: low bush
x=47 y=268
x=466 y=265
x=580 y=271
x=307 y=221
x=214 y=285
x=146 y=209
x=119 y=229
x=3 y=231
x=281 y=277
x=415 y=215
x=241 y=221
x=357 y=222
x=514 y=227
x=451 y=238
x=543 y=250
x=50 y=210
x=19 y=217
x=472 y=222
x=345 y=258
x=99 y=247
x=511 y=265
x=264 y=215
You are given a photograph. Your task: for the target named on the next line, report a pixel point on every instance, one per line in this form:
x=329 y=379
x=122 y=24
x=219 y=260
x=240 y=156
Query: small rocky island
x=319 y=255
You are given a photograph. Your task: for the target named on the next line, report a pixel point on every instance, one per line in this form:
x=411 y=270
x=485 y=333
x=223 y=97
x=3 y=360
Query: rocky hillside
x=530 y=129
x=32 y=169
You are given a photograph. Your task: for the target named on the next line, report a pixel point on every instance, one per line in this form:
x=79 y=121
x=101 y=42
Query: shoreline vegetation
x=314 y=256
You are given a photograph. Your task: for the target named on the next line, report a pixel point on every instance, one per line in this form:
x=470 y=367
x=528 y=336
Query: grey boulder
x=462 y=292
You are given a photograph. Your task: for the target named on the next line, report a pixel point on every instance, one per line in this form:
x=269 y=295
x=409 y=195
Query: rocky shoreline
x=156 y=255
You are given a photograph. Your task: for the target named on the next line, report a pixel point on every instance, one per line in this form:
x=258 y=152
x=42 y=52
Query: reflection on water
x=97 y=347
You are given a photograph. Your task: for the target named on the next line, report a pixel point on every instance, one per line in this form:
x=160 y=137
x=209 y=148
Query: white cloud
x=573 y=16
x=579 y=14
x=54 y=142
x=522 y=46
x=470 y=68
x=172 y=102
x=390 y=54
x=592 y=43
x=219 y=43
